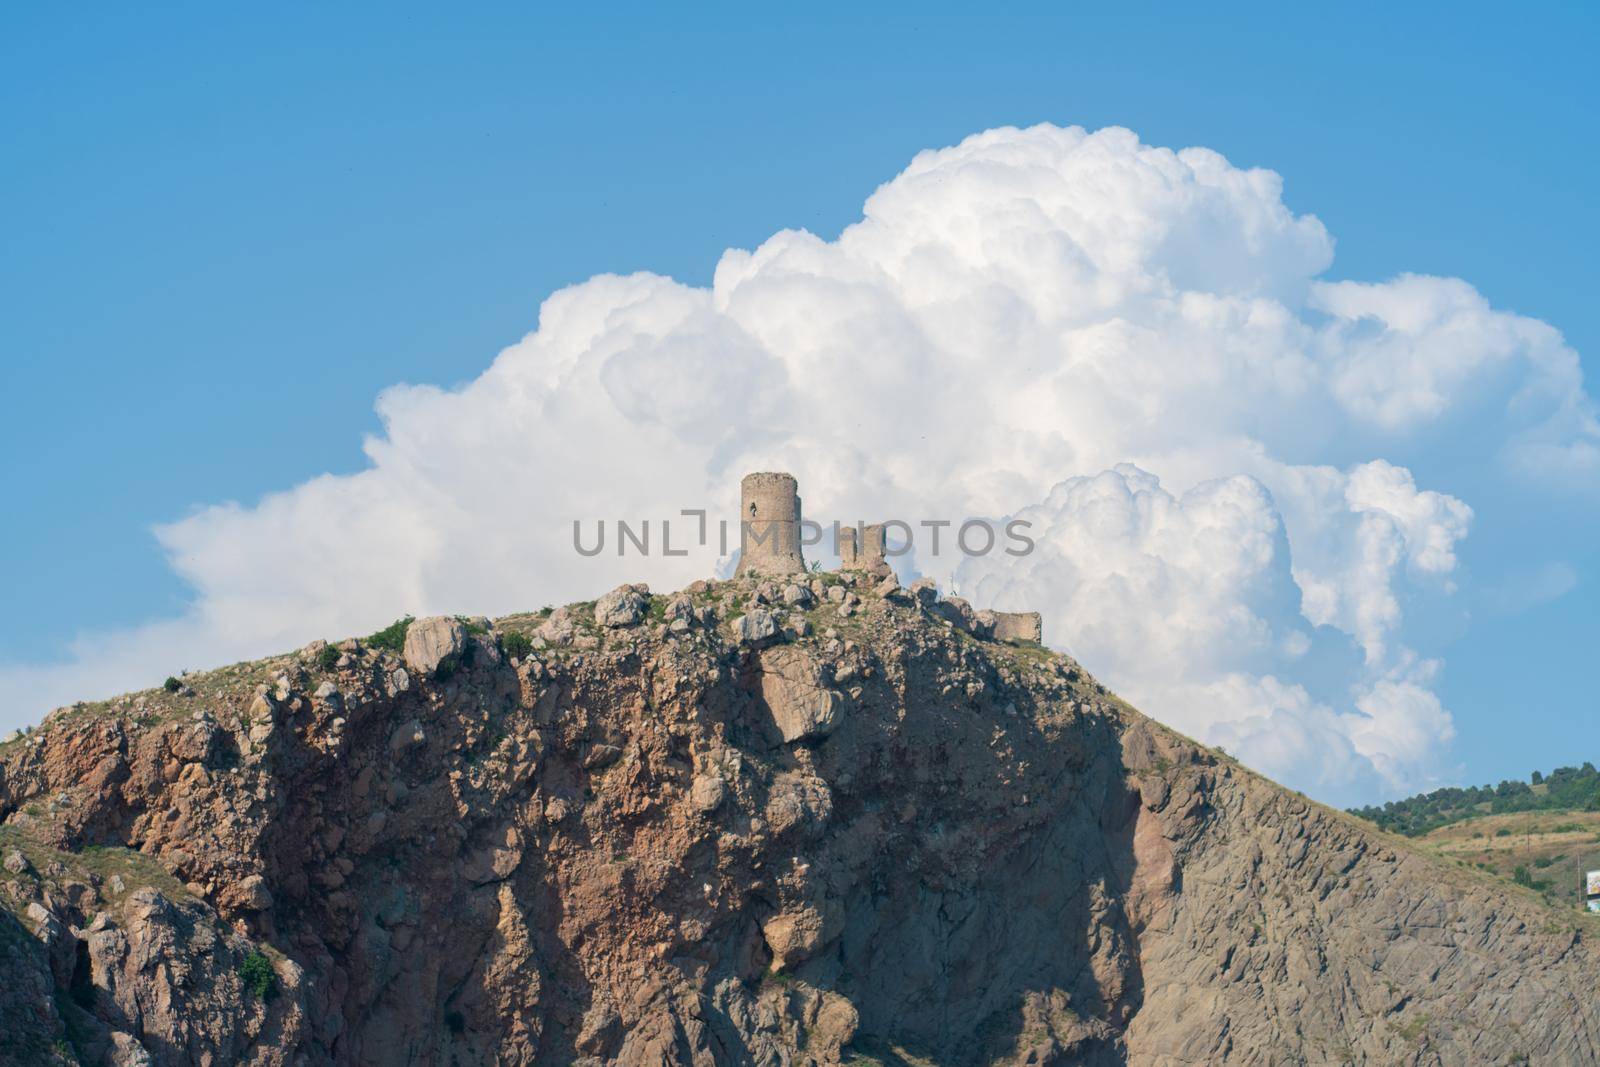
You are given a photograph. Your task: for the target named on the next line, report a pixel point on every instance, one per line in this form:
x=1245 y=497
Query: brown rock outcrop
x=434 y=643
x=877 y=834
x=791 y=687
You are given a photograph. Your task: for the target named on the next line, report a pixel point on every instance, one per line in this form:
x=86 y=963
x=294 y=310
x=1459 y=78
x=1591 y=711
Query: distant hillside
x=1546 y=852
x=1565 y=789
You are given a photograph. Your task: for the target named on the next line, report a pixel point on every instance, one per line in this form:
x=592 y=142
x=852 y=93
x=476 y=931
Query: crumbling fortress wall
x=1018 y=626
x=769 y=525
x=863 y=548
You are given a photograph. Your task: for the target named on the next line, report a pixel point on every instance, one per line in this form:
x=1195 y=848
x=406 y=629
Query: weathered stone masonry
x=770 y=524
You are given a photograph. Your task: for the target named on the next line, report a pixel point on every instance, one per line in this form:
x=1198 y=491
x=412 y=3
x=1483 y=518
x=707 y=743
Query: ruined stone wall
x=1018 y=626
x=863 y=548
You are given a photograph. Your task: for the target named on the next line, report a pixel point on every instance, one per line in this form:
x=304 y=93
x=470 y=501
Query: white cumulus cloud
x=1134 y=344
x=1192 y=604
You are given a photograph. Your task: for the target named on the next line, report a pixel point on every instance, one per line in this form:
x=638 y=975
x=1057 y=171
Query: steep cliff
x=749 y=823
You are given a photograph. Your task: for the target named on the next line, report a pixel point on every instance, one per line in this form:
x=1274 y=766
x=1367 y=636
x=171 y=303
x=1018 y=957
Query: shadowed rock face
x=658 y=843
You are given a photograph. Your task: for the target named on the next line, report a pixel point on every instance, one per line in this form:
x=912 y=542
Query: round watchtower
x=769 y=525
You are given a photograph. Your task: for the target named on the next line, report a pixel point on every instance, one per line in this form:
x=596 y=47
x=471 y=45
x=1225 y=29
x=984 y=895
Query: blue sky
x=225 y=235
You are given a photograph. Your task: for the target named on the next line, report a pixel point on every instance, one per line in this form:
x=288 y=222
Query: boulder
x=623 y=606
x=679 y=609
x=795 y=934
x=707 y=792
x=434 y=642
x=558 y=628
x=252 y=894
x=791 y=686
x=798 y=800
x=261 y=709
x=397 y=682
x=958 y=613
x=757 y=626
x=830 y=1020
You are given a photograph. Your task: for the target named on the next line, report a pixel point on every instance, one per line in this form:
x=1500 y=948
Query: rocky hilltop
x=823 y=821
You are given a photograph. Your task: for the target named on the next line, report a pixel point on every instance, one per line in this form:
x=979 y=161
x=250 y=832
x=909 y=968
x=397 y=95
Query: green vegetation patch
x=1528 y=881
x=255 y=970
x=516 y=644
x=391 y=638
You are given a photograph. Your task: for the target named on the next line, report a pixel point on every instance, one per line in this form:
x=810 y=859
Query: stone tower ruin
x=769 y=525
x=862 y=548
x=769 y=544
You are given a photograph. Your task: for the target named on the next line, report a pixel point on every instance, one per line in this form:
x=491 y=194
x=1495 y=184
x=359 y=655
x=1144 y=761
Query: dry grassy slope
x=1554 y=847
x=606 y=850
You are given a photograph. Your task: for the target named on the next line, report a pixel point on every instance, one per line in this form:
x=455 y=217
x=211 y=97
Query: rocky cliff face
x=825 y=823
